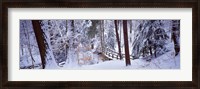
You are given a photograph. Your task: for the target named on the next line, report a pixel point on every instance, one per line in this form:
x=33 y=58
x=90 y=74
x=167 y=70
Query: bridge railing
x=113 y=54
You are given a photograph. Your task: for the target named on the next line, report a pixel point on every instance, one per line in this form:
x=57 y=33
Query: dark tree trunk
x=143 y=53
x=40 y=40
x=118 y=41
x=155 y=53
x=72 y=25
x=73 y=34
x=175 y=43
x=150 y=49
x=127 y=56
x=130 y=26
x=175 y=31
x=92 y=46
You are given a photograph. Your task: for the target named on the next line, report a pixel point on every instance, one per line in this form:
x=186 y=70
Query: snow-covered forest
x=99 y=44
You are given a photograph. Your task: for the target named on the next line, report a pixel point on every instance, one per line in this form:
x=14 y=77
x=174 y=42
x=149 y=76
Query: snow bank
x=27 y=61
x=165 y=61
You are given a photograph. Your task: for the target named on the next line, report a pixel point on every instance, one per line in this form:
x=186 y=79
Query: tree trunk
x=40 y=40
x=155 y=52
x=22 y=50
x=66 y=45
x=73 y=34
x=130 y=33
x=119 y=31
x=143 y=52
x=118 y=41
x=72 y=25
x=127 y=56
x=29 y=49
x=175 y=30
x=103 y=36
x=150 y=49
x=130 y=26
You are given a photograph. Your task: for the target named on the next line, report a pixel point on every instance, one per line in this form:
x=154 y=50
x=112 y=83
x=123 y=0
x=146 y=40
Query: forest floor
x=165 y=61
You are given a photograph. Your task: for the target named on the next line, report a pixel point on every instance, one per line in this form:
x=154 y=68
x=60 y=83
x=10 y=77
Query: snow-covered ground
x=166 y=61
x=25 y=63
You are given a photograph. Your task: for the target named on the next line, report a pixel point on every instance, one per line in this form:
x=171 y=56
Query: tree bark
x=73 y=34
x=119 y=23
x=22 y=50
x=40 y=41
x=103 y=36
x=175 y=30
x=72 y=25
x=118 y=41
x=130 y=26
x=143 y=55
x=155 y=52
x=127 y=56
x=29 y=49
x=150 y=49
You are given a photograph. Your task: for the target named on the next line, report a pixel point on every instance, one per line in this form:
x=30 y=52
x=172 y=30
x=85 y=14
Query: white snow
x=74 y=44
x=165 y=61
x=27 y=61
